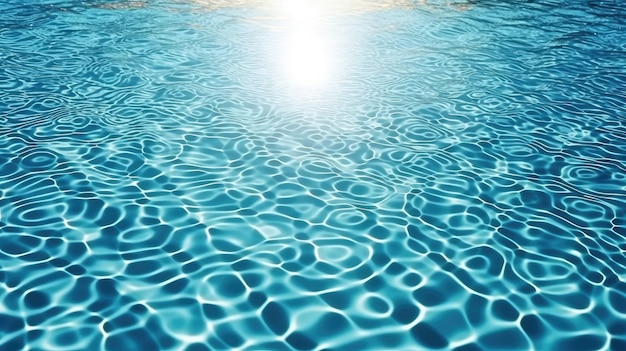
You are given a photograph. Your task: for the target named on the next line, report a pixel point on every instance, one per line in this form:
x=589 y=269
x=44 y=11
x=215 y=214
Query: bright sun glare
x=308 y=60
x=307 y=57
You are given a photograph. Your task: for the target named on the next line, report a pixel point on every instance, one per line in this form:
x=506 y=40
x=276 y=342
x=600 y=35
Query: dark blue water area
x=312 y=175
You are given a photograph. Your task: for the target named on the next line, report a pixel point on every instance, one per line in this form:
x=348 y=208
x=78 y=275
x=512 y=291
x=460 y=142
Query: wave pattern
x=456 y=181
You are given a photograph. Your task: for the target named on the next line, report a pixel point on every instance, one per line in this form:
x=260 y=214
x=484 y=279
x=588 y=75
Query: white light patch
x=306 y=57
x=302 y=12
x=308 y=60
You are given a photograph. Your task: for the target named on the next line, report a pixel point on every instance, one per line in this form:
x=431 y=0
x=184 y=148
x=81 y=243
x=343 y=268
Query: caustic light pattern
x=298 y=175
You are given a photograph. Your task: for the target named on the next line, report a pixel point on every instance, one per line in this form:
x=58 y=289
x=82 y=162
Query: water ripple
x=438 y=175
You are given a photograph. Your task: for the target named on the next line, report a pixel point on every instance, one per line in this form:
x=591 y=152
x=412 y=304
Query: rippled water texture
x=312 y=175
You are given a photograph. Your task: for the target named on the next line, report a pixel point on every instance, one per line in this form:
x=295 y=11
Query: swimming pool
x=299 y=175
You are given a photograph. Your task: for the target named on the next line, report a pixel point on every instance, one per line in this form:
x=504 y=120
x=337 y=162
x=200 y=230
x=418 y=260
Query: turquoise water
x=299 y=175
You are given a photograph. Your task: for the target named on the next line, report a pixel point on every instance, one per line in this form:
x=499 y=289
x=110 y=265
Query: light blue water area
x=312 y=175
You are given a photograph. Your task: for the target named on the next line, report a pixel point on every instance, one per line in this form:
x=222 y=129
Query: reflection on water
x=307 y=58
x=325 y=7
x=298 y=175
x=121 y=4
x=331 y=7
x=308 y=61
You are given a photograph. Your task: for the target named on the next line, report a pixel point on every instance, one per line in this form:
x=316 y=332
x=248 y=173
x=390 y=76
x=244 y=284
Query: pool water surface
x=312 y=175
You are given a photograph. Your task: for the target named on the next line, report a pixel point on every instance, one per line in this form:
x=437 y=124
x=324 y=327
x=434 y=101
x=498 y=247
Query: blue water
x=312 y=175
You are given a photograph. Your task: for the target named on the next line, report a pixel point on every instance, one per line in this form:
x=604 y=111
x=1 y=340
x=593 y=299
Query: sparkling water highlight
x=312 y=175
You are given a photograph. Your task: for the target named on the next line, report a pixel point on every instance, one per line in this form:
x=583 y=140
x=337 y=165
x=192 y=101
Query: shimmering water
x=312 y=175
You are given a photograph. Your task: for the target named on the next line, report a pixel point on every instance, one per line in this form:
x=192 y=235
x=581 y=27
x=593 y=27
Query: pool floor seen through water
x=312 y=175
